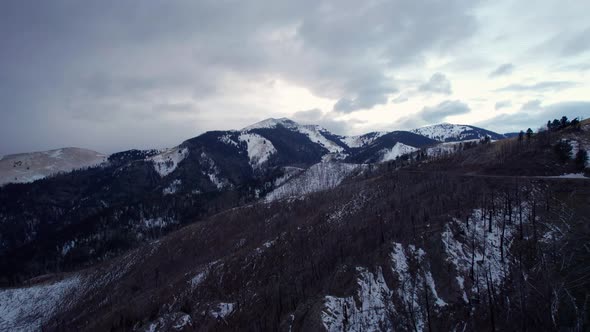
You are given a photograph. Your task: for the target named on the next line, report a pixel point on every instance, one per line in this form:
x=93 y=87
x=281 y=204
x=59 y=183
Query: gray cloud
x=433 y=114
x=578 y=43
x=309 y=116
x=115 y=75
x=95 y=68
x=502 y=70
x=565 y=43
x=326 y=120
x=537 y=116
x=443 y=110
x=400 y=99
x=438 y=83
x=502 y=104
x=540 y=86
x=531 y=105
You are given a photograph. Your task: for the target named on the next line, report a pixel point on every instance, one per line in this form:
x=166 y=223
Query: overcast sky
x=114 y=75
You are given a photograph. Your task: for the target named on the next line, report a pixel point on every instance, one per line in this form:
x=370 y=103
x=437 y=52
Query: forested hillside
x=411 y=244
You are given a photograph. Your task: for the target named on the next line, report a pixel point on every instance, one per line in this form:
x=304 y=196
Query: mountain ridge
x=140 y=195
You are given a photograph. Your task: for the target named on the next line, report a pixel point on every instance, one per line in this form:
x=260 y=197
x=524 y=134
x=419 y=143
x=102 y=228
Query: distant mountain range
x=93 y=206
x=315 y=143
x=287 y=227
x=29 y=167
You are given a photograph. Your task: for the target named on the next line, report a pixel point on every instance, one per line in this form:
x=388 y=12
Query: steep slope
x=314 y=133
x=360 y=141
x=321 y=176
x=366 y=255
x=87 y=216
x=28 y=167
x=448 y=243
x=446 y=132
x=384 y=147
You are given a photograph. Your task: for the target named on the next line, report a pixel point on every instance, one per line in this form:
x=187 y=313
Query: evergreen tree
x=564 y=122
x=575 y=123
x=521 y=135
x=529 y=133
x=563 y=150
x=581 y=157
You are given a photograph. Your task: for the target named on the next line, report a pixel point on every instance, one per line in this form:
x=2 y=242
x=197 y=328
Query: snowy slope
x=367 y=311
x=399 y=149
x=321 y=176
x=361 y=140
x=167 y=161
x=447 y=132
x=28 y=167
x=272 y=123
x=316 y=134
x=446 y=148
x=27 y=308
x=259 y=148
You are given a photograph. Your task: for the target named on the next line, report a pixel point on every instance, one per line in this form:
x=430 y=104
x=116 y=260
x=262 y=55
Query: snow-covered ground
x=313 y=132
x=315 y=135
x=321 y=176
x=271 y=123
x=27 y=308
x=222 y=310
x=369 y=310
x=399 y=149
x=569 y=176
x=167 y=161
x=259 y=148
x=173 y=187
x=375 y=305
x=472 y=244
x=289 y=172
x=28 y=167
x=445 y=132
x=361 y=140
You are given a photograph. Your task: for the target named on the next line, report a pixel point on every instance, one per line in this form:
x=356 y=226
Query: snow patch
x=368 y=310
x=446 y=132
x=412 y=275
x=222 y=310
x=212 y=172
x=314 y=133
x=158 y=222
x=321 y=176
x=288 y=173
x=30 y=167
x=228 y=140
x=67 y=247
x=28 y=308
x=399 y=149
x=271 y=123
x=167 y=161
x=471 y=244
x=172 y=188
x=570 y=176
x=182 y=322
x=199 y=278
x=259 y=148
x=349 y=208
x=361 y=140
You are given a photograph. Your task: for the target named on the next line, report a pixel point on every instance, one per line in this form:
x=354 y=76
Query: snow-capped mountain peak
x=315 y=133
x=447 y=132
x=272 y=123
